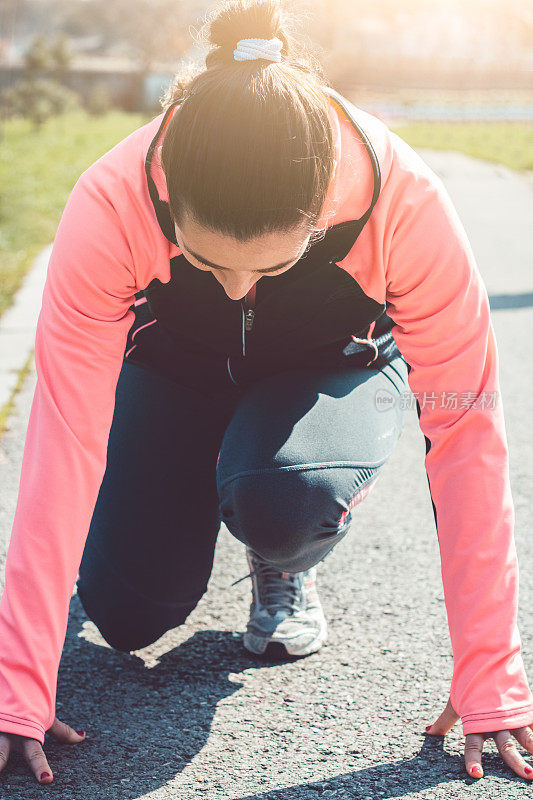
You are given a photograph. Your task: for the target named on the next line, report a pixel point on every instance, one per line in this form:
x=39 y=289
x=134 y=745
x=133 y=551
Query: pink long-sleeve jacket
x=414 y=255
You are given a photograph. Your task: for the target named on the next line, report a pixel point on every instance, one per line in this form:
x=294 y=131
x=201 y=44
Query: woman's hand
x=33 y=751
x=474 y=744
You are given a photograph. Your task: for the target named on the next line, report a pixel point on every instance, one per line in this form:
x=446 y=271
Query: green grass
x=508 y=143
x=38 y=169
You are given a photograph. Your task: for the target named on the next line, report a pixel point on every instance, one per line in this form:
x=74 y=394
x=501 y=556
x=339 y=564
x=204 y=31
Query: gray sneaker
x=285 y=610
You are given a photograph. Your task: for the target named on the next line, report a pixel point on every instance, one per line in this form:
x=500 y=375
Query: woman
x=236 y=296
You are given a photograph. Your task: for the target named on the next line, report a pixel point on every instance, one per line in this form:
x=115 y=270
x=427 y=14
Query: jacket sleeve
x=440 y=308
x=79 y=346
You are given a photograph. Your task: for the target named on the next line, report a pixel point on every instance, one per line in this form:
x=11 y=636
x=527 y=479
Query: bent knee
x=285 y=514
x=131 y=623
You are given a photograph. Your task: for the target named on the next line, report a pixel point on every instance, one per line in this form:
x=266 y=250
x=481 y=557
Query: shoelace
x=250 y=575
x=254 y=572
x=277 y=590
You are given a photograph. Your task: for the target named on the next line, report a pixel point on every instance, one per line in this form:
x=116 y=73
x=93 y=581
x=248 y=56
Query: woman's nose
x=235 y=286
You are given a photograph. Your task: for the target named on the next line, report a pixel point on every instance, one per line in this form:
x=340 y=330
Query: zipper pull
x=248 y=315
x=249 y=319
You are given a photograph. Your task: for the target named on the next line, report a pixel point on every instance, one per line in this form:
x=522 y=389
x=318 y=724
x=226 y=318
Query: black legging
x=282 y=464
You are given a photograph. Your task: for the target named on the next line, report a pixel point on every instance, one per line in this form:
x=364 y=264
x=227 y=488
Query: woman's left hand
x=474 y=744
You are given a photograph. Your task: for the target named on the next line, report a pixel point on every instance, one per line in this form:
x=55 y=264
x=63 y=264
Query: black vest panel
x=189 y=330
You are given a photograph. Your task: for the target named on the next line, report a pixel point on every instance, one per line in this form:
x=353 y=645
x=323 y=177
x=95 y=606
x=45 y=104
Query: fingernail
x=80 y=733
x=477 y=771
x=528 y=770
x=428 y=727
x=44 y=775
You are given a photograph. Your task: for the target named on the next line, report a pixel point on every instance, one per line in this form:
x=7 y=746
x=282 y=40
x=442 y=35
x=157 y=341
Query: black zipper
x=248 y=316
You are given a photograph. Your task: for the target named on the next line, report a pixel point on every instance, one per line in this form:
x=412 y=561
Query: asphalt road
x=195 y=716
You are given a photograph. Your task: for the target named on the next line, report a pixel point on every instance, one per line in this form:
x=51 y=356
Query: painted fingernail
x=477 y=771
x=528 y=770
x=428 y=727
x=80 y=733
x=44 y=775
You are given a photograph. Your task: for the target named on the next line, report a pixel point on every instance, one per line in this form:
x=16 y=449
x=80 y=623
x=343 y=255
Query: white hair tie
x=252 y=49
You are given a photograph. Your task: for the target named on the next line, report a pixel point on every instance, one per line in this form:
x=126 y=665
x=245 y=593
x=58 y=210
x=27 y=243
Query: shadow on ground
x=505 y=301
x=146 y=724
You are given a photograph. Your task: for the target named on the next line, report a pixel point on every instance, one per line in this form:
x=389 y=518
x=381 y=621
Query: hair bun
x=234 y=20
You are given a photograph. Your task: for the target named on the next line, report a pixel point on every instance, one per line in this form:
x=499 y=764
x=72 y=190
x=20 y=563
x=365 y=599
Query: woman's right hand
x=32 y=749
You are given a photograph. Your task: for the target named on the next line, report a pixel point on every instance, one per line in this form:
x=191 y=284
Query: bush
x=38 y=99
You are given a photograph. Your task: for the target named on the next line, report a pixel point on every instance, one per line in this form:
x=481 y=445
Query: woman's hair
x=251 y=149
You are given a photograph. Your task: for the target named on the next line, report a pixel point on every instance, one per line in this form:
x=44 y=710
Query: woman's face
x=238 y=265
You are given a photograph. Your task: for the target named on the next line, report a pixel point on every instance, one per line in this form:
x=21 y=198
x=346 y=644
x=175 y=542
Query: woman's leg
x=149 y=551
x=302 y=450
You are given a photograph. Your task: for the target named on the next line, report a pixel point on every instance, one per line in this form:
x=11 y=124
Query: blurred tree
x=41 y=93
x=45 y=56
x=61 y=56
x=38 y=57
x=38 y=99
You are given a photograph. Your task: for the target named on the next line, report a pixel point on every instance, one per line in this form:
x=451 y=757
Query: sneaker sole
x=258 y=644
